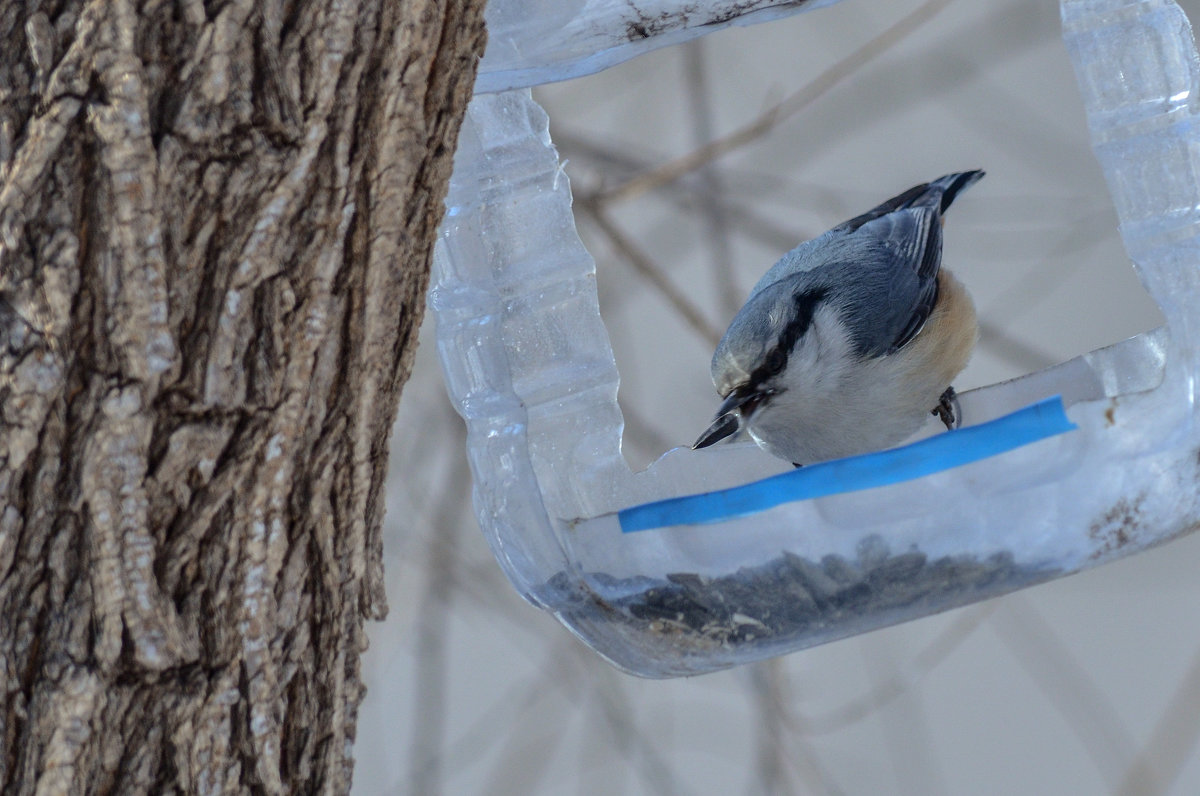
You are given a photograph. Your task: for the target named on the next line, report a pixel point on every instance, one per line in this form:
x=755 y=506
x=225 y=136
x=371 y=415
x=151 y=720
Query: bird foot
x=948 y=410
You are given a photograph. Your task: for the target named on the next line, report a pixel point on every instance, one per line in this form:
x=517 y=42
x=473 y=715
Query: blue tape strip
x=1046 y=418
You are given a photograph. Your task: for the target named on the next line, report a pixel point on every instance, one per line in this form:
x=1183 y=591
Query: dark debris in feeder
x=790 y=596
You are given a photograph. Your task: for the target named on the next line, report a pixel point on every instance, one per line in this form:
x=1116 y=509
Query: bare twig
x=716 y=227
x=652 y=273
x=906 y=733
x=787 y=762
x=999 y=341
x=1172 y=742
x=1068 y=686
x=793 y=104
x=770 y=772
x=638 y=748
x=886 y=691
x=691 y=195
x=432 y=653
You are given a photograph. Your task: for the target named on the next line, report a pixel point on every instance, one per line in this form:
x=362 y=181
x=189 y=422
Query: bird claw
x=948 y=410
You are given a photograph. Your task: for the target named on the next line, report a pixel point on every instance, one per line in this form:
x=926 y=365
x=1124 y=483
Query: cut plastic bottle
x=698 y=563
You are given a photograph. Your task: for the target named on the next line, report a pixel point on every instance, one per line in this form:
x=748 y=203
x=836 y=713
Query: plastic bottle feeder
x=712 y=558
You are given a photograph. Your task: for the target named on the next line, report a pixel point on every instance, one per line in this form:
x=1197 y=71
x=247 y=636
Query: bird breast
x=831 y=403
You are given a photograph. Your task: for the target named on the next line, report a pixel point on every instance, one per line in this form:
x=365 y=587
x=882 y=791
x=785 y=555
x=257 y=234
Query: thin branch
x=693 y=195
x=555 y=677
x=906 y=735
x=785 y=756
x=652 y=273
x=1069 y=687
x=771 y=709
x=673 y=170
x=638 y=749
x=716 y=226
x=999 y=341
x=888 y=690
x=432 y=652
x=1173 y=741
x=1034 y=286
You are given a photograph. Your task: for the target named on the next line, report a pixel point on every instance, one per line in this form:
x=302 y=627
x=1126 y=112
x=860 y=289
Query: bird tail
x=952 y=184
x=941 y=191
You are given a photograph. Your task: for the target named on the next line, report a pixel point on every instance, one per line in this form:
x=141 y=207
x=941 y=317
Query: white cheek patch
x=820 y=358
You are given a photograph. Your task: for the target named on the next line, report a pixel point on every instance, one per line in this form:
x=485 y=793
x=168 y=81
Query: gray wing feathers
x=880 y=267
x=898 y=283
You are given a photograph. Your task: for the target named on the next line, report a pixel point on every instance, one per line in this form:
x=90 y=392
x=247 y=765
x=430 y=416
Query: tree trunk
x=216 y=221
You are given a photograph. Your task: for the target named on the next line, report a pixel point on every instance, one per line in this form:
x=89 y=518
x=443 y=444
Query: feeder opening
x=529 y=364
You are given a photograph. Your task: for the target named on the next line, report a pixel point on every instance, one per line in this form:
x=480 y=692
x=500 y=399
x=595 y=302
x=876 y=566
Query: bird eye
x=776 y=360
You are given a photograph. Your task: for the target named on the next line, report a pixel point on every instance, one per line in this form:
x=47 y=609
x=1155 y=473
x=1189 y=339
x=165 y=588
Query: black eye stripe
x=776 y=358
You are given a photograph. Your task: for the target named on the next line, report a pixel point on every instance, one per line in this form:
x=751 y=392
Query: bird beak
x=737 y=405
x=722 y=427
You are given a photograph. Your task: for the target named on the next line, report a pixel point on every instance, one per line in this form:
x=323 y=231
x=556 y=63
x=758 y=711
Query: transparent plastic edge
x=1124 y=481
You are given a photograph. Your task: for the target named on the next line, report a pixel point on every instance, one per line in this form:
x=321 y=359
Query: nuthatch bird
x=850 y=342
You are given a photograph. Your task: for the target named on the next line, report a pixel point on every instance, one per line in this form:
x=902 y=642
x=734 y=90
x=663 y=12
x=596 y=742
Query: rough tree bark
x=216 y=220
